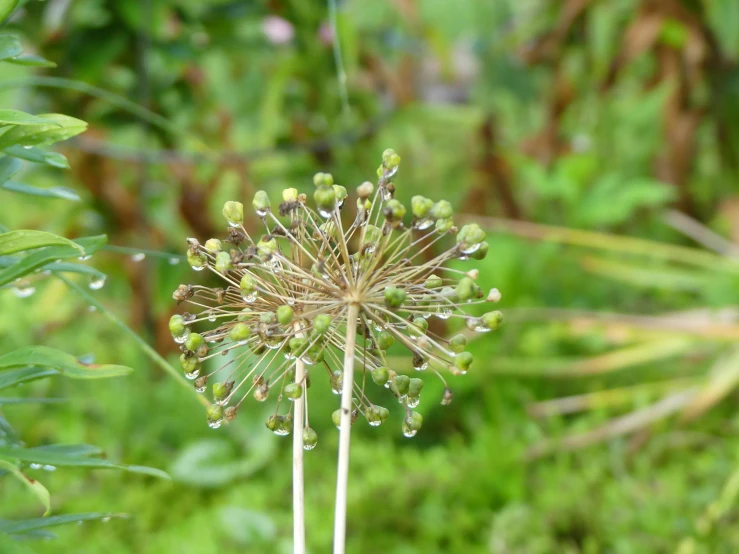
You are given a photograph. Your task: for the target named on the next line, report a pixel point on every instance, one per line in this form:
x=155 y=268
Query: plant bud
x=293 y=391
x=492 y=320
x=400 y=385
x=229 y=414
x=470 y=238
x=433 y=282
x=444 y=225
x=325 y=179
x=372 y=416
x=197 y=260
x=418 y=327
x=190 y=364
x=481 y=252
x=214 y=413
x=290 y=195
x=412 y=424
x=466 y=289
x=442 y=210
x=463 y=361
x=384 y=340
x=297 y=346
x=177 y=325
x=286 y=425
x=213 y=246
x=341 y=193
x=239 y=332
x=380 y=375
x=261 y=203
x=458 y=343
x=273 y=422
x=394 y=211
x=325 y=198
x=223 y=262
x=336 y=418
x=234 y=213
x=394 y=297
x=222 y=390
x=421 y=206
x=194 y=341
x=267 y=246
x=390 y=159
x=383 y=412
x=365 y=190
x=414 y=387
x=261 y=393
x=310 y=438
x=321 y=324
x=284 y=315
x=447 y=398
x=372 y=234
x=247 y=284
x=494 y=296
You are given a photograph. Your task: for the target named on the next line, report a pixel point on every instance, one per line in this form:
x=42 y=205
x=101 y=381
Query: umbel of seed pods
x=285 y=291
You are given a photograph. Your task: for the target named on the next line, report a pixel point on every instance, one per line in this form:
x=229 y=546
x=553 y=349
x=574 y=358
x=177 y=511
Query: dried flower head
x=309 y=282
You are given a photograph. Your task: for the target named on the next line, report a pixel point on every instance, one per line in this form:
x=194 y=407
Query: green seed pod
x=239 y=332
x=273 y=422
x=380 y=375
x=285 y=315
x=310 y=438
x=290 y=195
x=222 y=390
x=414 y=387
x=492 y=319
x=190 y=364
x=213 y=246
x=336 y=418
x=412 y=423
x=267 y=246
x=286 y=425
x=470 y=234
x=341 y=193
x=267 y=318
x=194 y=341
x=214 y=413
x=372 y=234
x=458 y=343
x=481 y=252
x=421 y=206
x=390 y=159
x=394 y=211
x=442 y=210
x=298 y=345
x=400 y=384
x=317 y=353
x=261 y=203
x=223 y=262
x=197 y=260
x=234 y=213
x=247 y=284
x=321 y=324
x=433 y=282
x=419 y=327
x=365 y=190
x=229 y=414
x=383 y=412
x=325 y=198
x=384 y=340
x=177 y=325
x=293 y=391
x=394 y=297
x=325 y=179
x=444 y=225
x=467 y=289
x=463 y=361
x=372 y=416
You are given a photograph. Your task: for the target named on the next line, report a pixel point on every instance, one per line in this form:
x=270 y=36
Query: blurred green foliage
x=594 y=116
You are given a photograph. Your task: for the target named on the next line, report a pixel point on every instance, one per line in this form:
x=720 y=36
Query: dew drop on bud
x=23 y=290
x=138 y=257
x=97 y=282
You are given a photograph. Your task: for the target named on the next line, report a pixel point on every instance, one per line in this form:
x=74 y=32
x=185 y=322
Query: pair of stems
x=342 y=480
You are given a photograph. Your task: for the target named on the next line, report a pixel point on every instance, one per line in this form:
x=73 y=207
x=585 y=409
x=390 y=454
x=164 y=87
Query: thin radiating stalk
x=342 y=480
x=298 y=483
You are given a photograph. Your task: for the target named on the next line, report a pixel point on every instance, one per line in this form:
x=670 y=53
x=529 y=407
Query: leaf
x=214 y=462
x=18 y=376
x=6 y=8
x=64 y=193
x=21 y=400
x=31 y=60
x=27 y=525
x=40 y=258
x=66 y=364
x=38 y=155
x=56 y=128
x=10 y=47
x=15 y=117
x=34 y=486
x=70 y=449
x=62 y=459
x=8 y=168
x=19 y=241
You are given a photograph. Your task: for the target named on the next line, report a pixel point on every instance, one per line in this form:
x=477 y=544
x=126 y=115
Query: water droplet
x=173 y=261
x=420 y=363
x=444 y=312
x=291 y=301
x=91 y=308
x=193 y=375
x=85 y=258
x=477 y=324
x=97 y=282
x=106 y=519
x=49 y=468
x=198 y=267
x=260 y=213
x=281 y=431
x=250 y=297
x=309 y=446
x=215 y=424
x=385 y=194
x=27 y=146
x=211 y=316
x=180 y=339
x=138 y=257
x=23 y=290
x=200 y=389
x=413 y=402
x=35 y=466
x=325 y=214
x=410 y=433
x=423 y=224
x=471 y=249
